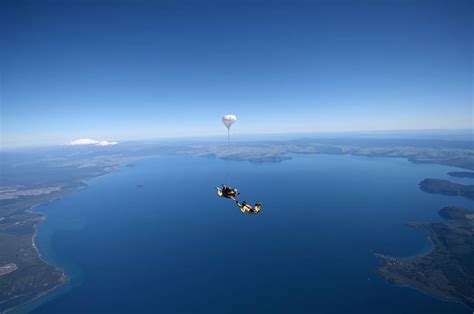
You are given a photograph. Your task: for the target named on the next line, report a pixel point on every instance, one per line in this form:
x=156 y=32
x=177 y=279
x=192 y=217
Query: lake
x=172 y=245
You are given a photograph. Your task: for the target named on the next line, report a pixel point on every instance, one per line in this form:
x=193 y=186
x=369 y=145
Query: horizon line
x=438 y=131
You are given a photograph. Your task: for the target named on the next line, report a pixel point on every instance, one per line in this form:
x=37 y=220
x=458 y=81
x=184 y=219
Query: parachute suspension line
x=227 y=160
x=228 y=120
x=228 y=172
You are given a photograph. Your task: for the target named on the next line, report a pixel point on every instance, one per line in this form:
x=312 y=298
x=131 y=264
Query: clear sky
x=113 y=70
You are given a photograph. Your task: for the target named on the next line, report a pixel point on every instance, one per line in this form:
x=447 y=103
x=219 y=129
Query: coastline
x=424 y=292
x=64 y=279
x=426 y=249
x=449 y=300
x=432 y=273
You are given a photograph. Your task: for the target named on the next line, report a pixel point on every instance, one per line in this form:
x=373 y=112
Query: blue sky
x=113 y=70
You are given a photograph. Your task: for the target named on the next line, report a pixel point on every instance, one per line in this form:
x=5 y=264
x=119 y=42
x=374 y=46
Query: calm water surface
x=174 y=246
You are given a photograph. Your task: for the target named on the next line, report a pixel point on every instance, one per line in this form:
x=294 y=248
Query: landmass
x=434 y=152
x=12 y=192
x=446 y=187
x=447 y=272
x=462 y=174
x=31 y=277
x=31 y=178
x=26 y=185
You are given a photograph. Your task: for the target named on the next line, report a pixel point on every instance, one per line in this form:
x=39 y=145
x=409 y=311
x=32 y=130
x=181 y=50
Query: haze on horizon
x=112 y=70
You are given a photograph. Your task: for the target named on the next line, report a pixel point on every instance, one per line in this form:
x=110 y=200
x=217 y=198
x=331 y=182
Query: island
x=462 y=174
x=446 y=272
x=446 y=187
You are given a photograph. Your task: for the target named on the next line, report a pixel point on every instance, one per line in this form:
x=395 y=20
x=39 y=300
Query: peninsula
x=446 y=272
x=446 y=187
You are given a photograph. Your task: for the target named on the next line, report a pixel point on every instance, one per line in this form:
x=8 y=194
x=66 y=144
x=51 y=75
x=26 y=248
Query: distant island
x=462 y=174
x=446 y=187
x=446 y=272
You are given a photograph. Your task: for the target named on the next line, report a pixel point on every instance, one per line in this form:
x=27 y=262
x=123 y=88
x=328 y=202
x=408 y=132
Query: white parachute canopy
x=228 y=120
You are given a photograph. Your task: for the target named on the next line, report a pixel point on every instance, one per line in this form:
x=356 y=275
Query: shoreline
x=380 y=257
x=424 y=272
x=422 y=252
x=65 y=279
x=33 y=244
x=419 y=290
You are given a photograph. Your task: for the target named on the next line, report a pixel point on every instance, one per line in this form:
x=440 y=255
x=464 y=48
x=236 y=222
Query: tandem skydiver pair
x=228 y=192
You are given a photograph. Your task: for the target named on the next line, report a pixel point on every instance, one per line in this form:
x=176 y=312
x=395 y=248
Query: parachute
x=228 y=120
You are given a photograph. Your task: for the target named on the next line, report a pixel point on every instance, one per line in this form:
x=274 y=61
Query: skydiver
x=227 y=191
x=246 y=208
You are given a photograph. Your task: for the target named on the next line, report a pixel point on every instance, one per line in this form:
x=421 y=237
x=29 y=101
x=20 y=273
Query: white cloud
x=84 y=141
x=88 y=141
x=106 y=143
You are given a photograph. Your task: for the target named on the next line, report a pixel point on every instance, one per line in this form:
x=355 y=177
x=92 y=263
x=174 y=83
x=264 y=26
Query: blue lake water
x=174 y=246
